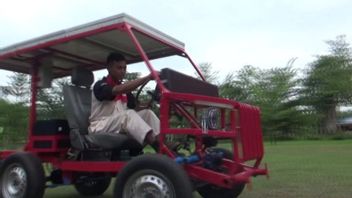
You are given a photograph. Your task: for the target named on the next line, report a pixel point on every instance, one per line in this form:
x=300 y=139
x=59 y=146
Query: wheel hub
x=14 y=182
x=150 y=186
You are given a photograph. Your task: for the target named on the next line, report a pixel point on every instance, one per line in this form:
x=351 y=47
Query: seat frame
x=77 y=103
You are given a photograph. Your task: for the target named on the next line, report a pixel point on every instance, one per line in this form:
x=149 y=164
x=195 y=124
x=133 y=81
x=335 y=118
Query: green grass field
x=300 y=169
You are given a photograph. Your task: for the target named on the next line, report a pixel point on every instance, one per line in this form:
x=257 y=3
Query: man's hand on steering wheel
x=148 y=104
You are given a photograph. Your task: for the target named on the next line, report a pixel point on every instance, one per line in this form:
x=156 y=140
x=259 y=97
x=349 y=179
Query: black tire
x=149 y=175
x=22 y=176
x=92 y=184
x=212 y=191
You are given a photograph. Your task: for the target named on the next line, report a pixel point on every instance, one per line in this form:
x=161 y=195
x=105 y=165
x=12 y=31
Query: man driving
x=112 y=101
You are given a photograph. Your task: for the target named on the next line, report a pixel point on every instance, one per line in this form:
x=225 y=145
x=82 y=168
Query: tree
x=50 y=102
x=329 y=83
x=208 y=73
x=18 y=87
x=13 y=122
x=132 y=76
x=277 y=95
x=14 y=110
x=240 y=87
x=274 y=91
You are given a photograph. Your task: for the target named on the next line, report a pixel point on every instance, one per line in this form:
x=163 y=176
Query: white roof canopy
x=88 y=45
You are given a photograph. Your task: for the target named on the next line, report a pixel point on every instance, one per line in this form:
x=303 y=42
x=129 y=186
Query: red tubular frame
x=244 y=132
x=144 y=56
x=33 y=107
x=249 y=134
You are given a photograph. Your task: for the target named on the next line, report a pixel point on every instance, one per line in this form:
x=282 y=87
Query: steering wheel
x=154 y=95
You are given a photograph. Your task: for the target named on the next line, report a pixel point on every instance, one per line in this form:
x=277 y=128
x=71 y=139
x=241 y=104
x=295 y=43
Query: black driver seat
x=77 y=102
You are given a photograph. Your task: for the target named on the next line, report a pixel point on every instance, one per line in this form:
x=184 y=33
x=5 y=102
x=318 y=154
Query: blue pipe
x=187 y=160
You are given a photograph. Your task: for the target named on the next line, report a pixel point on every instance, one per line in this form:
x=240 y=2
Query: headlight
x=213 y=118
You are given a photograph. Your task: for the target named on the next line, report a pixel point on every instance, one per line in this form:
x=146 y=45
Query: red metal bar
x=164 y=115
x=90 y=166
x=50 y=137
x=53 y=139
x=251 y=134
x=158 y=39
x=223 y=180
x=258 y=128
x=244 y=133
x=33 y=106
x=236 y=151
x=232 y=165
x=209 y=176
x=195 y=67
x=215 y=133
x=201 y=98
x=219 y=179
x=189 y=117
x=164 y=123
x=165 y=150
x=144 y=56
x=4 y=154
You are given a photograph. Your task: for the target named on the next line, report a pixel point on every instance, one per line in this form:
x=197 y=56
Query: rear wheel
x=152 y=176
x=22 y=176
x=212 y=191
x=92 y=184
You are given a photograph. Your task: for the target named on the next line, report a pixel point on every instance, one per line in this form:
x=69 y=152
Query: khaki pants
x=136 y=124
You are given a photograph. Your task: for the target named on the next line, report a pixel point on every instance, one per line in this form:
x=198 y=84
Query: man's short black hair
x=113 y=56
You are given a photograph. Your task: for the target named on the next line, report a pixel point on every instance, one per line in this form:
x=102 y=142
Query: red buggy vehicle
x=221 y=145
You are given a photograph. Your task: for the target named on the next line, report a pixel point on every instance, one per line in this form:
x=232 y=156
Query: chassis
x=202 y=120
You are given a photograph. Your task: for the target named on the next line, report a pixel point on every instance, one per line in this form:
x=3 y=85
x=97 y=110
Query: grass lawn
x=303 y=169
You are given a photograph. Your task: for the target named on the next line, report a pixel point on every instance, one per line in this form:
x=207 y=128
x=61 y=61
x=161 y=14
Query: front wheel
x=152 y=176
x=212 y=191
x=22 y=176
